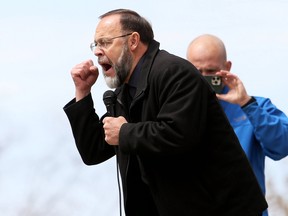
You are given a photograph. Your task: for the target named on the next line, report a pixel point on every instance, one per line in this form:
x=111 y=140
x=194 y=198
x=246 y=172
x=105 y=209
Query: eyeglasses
x=105 y=42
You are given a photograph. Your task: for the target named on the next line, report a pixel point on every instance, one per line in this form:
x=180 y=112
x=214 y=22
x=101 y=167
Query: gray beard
x=112 y=82
x=121 y=68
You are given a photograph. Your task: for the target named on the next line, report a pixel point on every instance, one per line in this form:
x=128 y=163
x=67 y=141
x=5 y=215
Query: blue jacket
x=262 y=130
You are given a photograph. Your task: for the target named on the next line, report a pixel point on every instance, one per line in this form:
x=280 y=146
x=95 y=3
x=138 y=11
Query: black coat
x=178 y=155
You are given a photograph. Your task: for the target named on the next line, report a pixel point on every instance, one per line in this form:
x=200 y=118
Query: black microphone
x=109 y=98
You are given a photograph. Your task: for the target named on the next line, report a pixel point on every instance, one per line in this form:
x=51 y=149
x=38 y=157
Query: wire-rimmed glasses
x=103 y=43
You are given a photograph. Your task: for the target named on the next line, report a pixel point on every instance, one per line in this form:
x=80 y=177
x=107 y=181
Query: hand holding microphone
x=84 y=76
x=112 y=124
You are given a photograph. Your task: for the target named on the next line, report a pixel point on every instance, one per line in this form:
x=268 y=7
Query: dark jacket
x=178 y=155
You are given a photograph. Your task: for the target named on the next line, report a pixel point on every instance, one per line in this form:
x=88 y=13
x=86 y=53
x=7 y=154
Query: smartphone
x=215 y=82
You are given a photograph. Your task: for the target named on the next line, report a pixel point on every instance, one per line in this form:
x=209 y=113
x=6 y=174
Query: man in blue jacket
x=261 y=128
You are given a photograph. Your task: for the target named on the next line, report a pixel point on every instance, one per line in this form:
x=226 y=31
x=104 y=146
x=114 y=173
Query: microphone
x=109 y=98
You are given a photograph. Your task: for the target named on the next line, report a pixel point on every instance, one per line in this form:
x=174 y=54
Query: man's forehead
x=108 y=26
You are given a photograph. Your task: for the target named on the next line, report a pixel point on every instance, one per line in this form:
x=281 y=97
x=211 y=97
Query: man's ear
x=134 y=40
x=228 y=65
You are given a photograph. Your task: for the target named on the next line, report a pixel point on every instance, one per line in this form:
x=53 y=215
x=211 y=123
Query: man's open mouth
x=106 y=67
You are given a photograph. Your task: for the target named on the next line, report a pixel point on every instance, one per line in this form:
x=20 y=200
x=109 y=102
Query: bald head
x=208 y=54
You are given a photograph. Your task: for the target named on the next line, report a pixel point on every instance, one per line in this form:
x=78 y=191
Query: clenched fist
x=84 y=76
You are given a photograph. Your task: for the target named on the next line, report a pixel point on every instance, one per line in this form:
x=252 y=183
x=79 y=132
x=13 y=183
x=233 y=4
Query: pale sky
x=40 y=41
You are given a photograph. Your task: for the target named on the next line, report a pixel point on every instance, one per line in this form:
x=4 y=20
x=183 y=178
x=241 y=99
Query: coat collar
x=146 y=67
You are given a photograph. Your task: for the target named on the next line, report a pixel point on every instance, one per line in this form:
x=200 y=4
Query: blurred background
x=41 y=172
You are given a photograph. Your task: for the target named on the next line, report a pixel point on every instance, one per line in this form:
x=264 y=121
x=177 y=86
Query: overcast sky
x=40 y=41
